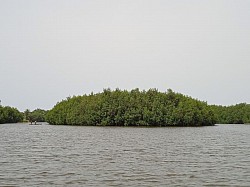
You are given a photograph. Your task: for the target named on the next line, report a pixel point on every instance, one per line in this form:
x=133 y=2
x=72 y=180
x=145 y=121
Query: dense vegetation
x=132 y=108
x=10 y=115
x=235 y=114
x=35 y=115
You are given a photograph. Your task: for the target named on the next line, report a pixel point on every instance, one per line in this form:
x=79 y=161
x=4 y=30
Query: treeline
x=132 y=108
x=35 y=115
x=10 y=115
x=235 y=114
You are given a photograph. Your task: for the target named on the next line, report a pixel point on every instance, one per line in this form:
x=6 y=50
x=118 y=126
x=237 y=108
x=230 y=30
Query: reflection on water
x=48 y=155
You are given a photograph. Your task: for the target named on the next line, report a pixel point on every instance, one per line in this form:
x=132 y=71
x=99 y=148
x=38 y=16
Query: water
x=46 y=155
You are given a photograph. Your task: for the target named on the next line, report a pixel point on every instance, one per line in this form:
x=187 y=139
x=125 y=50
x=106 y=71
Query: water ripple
x=114 y=156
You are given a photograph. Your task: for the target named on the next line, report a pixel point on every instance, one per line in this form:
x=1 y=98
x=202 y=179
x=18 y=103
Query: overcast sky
x=52 y=49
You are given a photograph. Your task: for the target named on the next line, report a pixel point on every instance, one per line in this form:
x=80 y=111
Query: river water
x=46 y=155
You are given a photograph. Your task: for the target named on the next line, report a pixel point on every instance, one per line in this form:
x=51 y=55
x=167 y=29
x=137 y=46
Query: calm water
x=48 y=155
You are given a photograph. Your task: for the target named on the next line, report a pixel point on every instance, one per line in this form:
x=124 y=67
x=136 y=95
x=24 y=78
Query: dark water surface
x=46 y=155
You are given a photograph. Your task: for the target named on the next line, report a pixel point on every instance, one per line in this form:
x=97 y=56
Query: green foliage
x=132 y=108
x=235 y=114
x=10 y=115
x=36 y=115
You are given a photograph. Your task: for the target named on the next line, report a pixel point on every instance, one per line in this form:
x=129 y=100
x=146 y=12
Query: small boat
x=35 y=123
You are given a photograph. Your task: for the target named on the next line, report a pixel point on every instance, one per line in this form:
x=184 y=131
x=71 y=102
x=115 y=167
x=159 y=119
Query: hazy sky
x=51 y=49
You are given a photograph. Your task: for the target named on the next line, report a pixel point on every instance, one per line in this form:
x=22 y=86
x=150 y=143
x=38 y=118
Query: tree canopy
x=234 y=114
x=132 y=108
x=35 y=115
x=10 y=115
